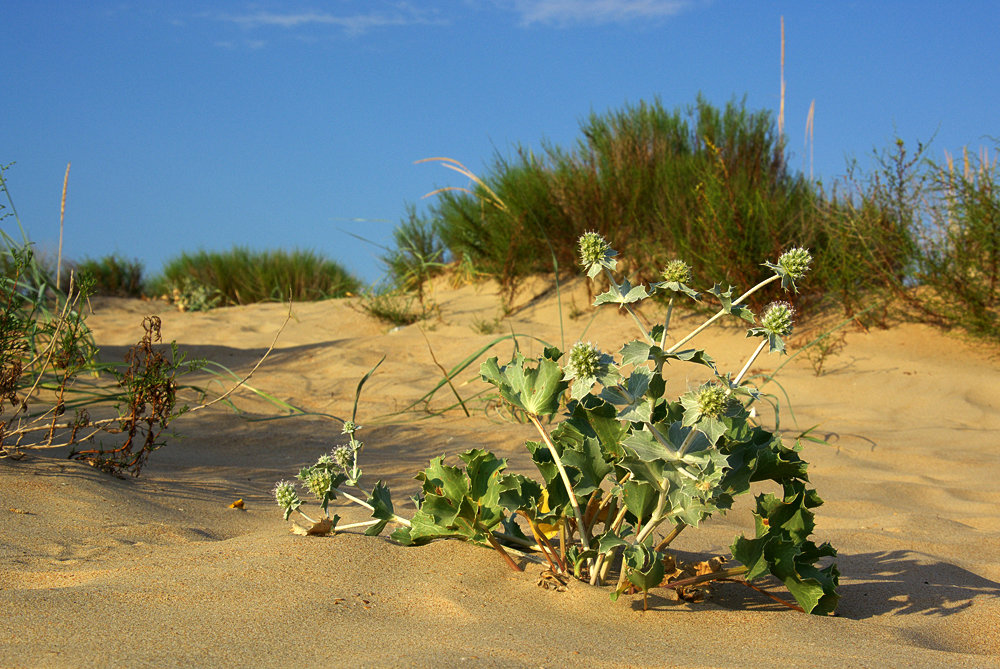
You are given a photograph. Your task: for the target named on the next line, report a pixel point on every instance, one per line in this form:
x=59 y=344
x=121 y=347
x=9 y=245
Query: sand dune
x=98 y=571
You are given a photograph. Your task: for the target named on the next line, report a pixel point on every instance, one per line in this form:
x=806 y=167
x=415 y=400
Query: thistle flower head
x=285 y=495
x=318 y=481
x=596 y=253
x=344 y=456
x=676 y=271
x=795 y=262
x=792 y=266
x=584 y=361
x=777 y=319
x=712 y=400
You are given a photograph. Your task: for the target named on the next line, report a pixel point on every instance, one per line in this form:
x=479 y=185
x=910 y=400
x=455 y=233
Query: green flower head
x=285 y=495
x=712 y=400
x=596 y=253
x=345 y=456
x=676 y=271
x=792 y=266
x=318 y=481
x=777 y=319
x=584 y=361
x=350 y=427
x=795 y=262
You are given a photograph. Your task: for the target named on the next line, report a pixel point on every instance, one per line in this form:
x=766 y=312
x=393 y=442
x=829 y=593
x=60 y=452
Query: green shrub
x=242 y=276
x=708 y=185
x=113 y=275
x=959 y=260
x=418 y=254
x=395 y=306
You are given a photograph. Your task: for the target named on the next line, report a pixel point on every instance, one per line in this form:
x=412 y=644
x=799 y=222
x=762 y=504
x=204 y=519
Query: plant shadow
x=907 y=582
x=881 y=583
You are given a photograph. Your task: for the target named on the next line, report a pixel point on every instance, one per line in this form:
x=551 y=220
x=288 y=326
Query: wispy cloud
x=386 y=15
x=563 y=12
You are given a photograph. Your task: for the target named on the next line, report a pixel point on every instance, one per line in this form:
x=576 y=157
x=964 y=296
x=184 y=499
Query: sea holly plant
x=628 y=466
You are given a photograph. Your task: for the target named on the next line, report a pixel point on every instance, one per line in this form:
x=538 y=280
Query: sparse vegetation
x=51 y=380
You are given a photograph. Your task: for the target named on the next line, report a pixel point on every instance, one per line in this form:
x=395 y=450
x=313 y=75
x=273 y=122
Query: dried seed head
x=777 y=319
x=795 y=262
x=676 y=271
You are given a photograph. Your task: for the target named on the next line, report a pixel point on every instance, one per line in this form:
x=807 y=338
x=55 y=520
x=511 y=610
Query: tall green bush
x=711 y=185
x=959 y=262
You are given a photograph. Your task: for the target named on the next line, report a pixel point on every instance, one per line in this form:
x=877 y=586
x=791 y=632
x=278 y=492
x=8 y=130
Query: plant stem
x=362 y=524
x=659 y=438
x=657 y=516
x=684 y=447
x=506 y=556
x=395 y=518
x=721 y=313
x=305 y=516
x=548 y=551
x=666 y=321
x=746 y=367
x=678 y=528
x=704 y=578
x=584 y=534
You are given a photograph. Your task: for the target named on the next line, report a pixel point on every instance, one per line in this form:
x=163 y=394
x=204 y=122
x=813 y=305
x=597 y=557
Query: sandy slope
x=96 y=571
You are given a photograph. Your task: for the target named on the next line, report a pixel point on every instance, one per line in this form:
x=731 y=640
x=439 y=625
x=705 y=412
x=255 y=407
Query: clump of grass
x=243 y=276
x=959 y=259
x=113 y=275
x=714 y=185
x=417 y=256
x=486 y=326
x=50 y=378
x=821 y=349
x=703 y=183
x=390 y=304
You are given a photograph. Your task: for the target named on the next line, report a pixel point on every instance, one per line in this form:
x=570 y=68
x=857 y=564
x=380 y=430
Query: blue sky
x=276 y=124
